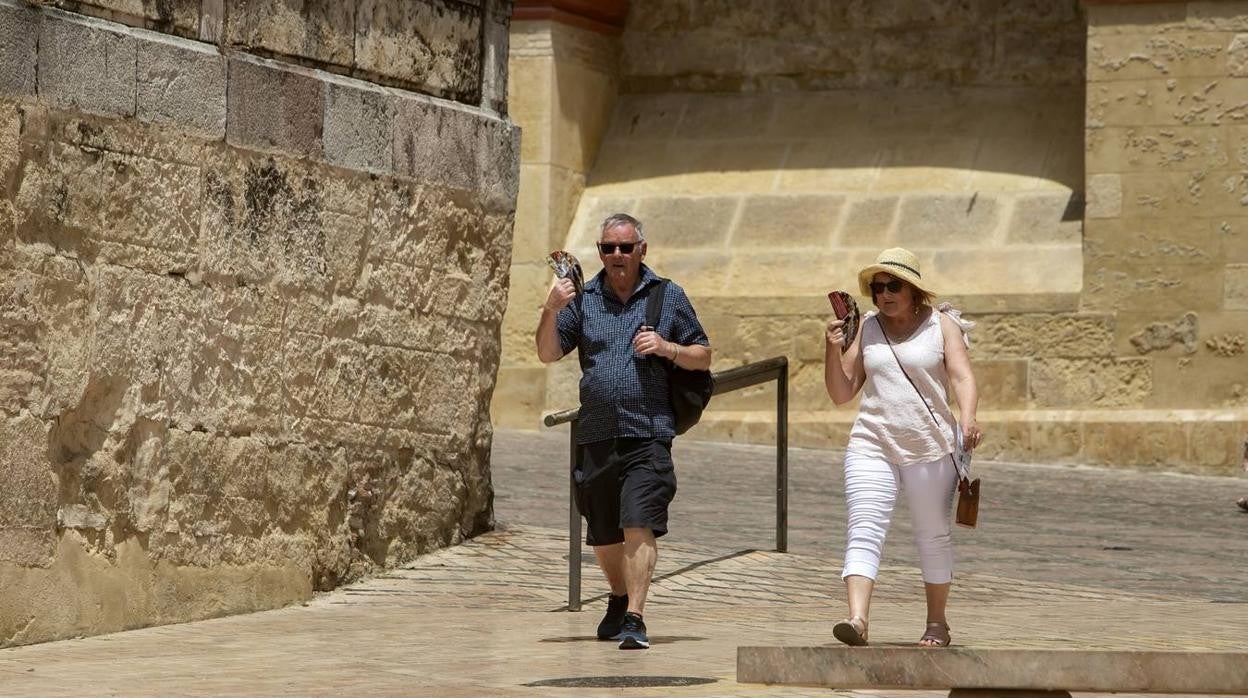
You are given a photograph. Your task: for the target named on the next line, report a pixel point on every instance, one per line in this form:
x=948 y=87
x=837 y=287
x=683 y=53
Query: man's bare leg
x=611 y=561
x=640 y=553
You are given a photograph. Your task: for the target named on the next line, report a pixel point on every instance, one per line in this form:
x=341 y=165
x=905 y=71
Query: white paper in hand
x=961 y=455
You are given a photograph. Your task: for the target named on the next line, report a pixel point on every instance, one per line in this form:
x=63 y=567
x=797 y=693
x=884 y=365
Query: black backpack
x=690 y=391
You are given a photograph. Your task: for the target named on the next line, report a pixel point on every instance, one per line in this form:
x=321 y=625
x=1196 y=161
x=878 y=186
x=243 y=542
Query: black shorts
x=624 y=483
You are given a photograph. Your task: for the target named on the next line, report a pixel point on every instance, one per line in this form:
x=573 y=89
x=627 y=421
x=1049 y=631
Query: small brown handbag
x=968 y=490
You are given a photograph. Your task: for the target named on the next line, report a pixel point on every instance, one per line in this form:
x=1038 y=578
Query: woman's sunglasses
x=611 y=247
x=894 y=286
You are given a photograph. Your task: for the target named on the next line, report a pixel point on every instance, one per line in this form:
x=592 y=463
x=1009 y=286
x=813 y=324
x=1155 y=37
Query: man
x=625 y=479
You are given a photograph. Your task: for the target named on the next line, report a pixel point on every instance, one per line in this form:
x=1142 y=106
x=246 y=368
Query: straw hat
x=897 y=262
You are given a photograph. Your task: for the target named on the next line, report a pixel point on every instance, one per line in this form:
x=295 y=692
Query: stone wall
x=762 y=45
x=770 y=162
x=564 y=82
x=249 y=308
x=1166 y=237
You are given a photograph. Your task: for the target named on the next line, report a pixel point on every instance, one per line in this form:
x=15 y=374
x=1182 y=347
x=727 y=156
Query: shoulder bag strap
x=654 y=304
x=912 y=384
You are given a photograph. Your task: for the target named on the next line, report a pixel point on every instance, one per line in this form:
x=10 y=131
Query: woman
x=902 y=359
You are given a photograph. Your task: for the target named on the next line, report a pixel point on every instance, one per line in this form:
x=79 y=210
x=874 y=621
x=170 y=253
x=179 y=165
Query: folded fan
x=566 y=266
x=846 y=309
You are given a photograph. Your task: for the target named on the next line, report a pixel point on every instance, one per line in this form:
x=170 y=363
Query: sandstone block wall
x=564 y=83
x=249 y=308
x=755 y=45
x=1087 y=222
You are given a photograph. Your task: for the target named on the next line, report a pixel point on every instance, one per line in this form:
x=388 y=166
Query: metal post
x=782 y=459
x=574 y=529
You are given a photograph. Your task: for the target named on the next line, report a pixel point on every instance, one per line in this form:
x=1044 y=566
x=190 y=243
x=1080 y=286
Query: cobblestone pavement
x=1065 y=557
x=1152 y=533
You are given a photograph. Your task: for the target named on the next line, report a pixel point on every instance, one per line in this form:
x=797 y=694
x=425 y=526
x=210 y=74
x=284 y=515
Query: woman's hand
x=971 y=434
x=835 y=334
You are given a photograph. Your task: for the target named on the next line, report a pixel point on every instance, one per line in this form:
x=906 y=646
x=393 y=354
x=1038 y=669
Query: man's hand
x=649 y=342
x=560 y=295
x=835 y=334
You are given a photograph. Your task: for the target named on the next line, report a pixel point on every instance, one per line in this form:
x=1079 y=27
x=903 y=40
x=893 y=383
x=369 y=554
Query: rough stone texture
x=86 y=65
x=19 y=34
x=235 y=366
x=182 y=85
x=358 y=122
x=1236 y=294
x=319 y=30
x=432 y=44
x=1160 y=335
x=758 y=45
x=294 y=121
x=179 y=17
x=1104 y=196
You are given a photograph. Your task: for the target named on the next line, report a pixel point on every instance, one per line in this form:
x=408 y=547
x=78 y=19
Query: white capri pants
x=871 y=485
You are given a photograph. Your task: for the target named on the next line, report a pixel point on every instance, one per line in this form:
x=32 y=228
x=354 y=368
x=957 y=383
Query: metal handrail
x=775 y=368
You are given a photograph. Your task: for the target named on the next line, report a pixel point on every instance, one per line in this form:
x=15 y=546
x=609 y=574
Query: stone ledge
x=1202 y=442
x=256 y=103
x=913 y=668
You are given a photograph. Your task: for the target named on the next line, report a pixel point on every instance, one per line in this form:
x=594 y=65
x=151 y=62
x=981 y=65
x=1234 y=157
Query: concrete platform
x=997 y=670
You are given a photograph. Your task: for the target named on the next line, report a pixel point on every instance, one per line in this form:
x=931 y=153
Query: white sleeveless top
x=892 y=422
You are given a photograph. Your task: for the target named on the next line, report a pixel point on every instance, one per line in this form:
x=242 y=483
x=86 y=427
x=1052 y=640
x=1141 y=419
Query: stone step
x=985 y=670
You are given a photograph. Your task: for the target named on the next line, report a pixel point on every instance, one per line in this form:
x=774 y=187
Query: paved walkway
x=1065 y=557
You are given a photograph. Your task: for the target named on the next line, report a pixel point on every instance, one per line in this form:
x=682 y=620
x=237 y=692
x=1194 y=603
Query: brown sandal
x=937 y=633
x=852 y=631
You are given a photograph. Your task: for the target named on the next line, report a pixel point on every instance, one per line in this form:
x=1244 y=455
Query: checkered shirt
x=624 y=395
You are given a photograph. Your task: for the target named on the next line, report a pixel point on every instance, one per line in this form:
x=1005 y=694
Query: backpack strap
x=654 y=303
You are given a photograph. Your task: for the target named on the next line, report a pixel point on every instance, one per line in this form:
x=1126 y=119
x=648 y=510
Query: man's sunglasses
x=894 y=286
x=611 y=247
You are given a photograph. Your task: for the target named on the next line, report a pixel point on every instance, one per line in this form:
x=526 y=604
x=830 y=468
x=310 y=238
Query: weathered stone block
x=170 y=16
x=704 y=221
x=498 y=155
x=494 y=64
x=1160 y=446
x=1056 y=441
x=443 y=59
x=1165 y=289
x=868 y=222
x=1153 y=240
x=320 y=30
x=1159 y=336
x=19 y=36
x=1096 y=382
x=1215 y=16
x=268 y=220
x=273 y=108
x=1036 y=335
x=1104 y=196
x=359 y=125
x=1235 y=296
x=1154 y=55
x=126 y=199
x=791 y=221
x=940 y=220
x=1181 y=381
x=28 y=501
x=87 y=65
x=1217 y=445
x=436 y=143
x=1172 y=148
x=1038 y=218
x=183 y=84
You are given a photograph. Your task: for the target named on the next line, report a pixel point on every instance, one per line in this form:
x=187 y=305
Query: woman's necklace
x=903 y=332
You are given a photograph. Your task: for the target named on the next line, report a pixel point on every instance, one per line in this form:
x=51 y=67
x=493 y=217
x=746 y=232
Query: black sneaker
x=609 y=628
x=633 y=633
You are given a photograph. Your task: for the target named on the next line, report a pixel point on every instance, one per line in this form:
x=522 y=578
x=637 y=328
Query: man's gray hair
x=622 y=219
